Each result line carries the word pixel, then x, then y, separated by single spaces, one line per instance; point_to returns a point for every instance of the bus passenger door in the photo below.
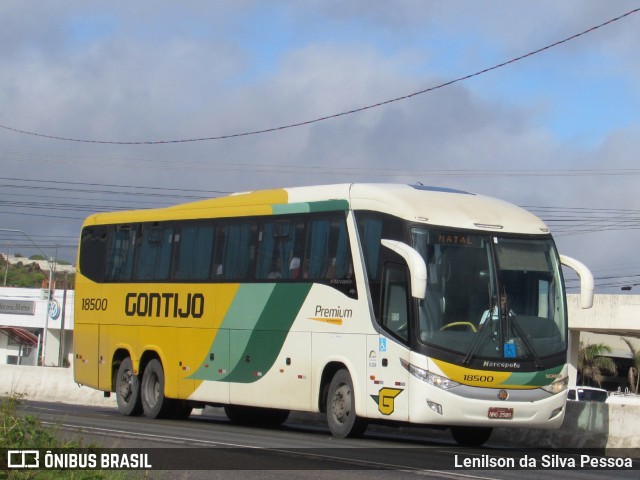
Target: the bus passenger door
pixel 387 378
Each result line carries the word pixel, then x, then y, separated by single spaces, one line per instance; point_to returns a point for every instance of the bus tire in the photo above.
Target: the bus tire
pixel 127 386
pixel 341 409
pixel 154 403
pixel 471 436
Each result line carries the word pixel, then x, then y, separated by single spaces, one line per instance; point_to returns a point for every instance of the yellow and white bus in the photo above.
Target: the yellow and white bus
pixel 367 302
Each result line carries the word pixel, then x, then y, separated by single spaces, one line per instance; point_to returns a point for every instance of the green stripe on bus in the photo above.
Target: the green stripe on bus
pixel 264 343
pixel 311 207
pixel 534 379
pixel 248 304
pixel 253 332
pixel 329 206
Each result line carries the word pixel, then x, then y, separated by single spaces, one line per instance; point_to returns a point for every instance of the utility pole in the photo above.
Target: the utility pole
pixel 6 265
pixel 62 314
pixel 52 264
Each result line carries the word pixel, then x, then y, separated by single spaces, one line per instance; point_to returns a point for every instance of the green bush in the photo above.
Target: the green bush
pixel 22 432
pixel 26 432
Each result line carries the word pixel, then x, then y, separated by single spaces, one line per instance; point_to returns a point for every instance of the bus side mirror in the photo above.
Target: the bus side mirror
pixel 586 279
pixel 415 262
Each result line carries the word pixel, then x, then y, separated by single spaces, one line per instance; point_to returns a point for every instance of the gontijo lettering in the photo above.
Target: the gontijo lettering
pixel 167 305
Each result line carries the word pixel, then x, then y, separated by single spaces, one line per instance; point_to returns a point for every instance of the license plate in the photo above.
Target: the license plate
pixel 501 413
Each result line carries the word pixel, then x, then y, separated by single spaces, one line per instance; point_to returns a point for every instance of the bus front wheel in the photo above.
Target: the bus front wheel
pixel 471 436
pixel 127 386
pixel 154 403
pixel 341 408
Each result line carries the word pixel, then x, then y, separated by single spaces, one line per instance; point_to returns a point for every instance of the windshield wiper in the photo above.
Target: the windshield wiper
pixel 479 339
pixel 528 346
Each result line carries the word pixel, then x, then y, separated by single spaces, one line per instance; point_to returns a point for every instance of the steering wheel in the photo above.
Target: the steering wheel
pixel 471 326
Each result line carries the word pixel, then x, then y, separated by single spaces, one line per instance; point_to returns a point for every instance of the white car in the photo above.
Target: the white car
pixel 587 394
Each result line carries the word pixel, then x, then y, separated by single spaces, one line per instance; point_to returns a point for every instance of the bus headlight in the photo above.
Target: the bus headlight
pixel 557 386
pixel 431 378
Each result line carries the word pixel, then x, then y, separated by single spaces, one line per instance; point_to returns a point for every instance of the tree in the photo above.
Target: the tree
pixel 634 378
pixel 26 276
pixel 592 363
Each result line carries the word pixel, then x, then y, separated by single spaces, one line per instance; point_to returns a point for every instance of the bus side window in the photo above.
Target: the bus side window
pixel 395 301
pixel 93 252
pixel 122 243
pixel 154 252
pixel 239 249
pixel 194 251
pixel 218 251
pixel 318 249
pixel 281 243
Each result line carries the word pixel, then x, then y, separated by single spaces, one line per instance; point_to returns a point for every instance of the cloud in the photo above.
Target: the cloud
pixel 154 71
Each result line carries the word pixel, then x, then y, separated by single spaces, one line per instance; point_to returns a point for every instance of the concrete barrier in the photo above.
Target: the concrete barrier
pixel 586 425
pixel 49 384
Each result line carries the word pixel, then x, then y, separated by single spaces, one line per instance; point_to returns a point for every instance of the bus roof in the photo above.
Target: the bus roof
pixel 422 204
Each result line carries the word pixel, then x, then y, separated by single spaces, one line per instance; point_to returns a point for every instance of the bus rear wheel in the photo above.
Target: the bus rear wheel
pixel 154 403
pixel 341 408
pixel 471 436
pixel 127 386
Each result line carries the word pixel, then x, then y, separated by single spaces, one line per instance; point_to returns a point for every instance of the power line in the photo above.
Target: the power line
pixel 337 115
pixel 293 169
pixel 136 187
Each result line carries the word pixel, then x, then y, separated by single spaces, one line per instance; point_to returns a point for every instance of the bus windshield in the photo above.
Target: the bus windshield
pixel 491 297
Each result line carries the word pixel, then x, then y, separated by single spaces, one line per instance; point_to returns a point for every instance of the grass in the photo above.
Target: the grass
pixel 26 432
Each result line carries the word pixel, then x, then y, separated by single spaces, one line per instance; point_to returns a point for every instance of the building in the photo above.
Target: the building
pixel 24 320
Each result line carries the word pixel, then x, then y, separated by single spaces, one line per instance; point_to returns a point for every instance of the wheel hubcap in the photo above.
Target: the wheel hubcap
pixel 153 390
pixel 341 403
pixel 126 388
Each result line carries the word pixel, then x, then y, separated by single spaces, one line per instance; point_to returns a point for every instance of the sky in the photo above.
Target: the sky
pixel 557 132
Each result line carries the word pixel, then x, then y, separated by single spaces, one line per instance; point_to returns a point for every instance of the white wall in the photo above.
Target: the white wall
pixel 35 320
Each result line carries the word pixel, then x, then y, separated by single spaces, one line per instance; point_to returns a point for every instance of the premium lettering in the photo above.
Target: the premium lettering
pixel 333 312
pixel 166 305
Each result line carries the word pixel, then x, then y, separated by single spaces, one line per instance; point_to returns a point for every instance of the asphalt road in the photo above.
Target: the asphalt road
pixel 209 446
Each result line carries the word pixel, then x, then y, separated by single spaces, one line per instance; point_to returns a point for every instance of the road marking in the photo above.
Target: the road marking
pixel 148 435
